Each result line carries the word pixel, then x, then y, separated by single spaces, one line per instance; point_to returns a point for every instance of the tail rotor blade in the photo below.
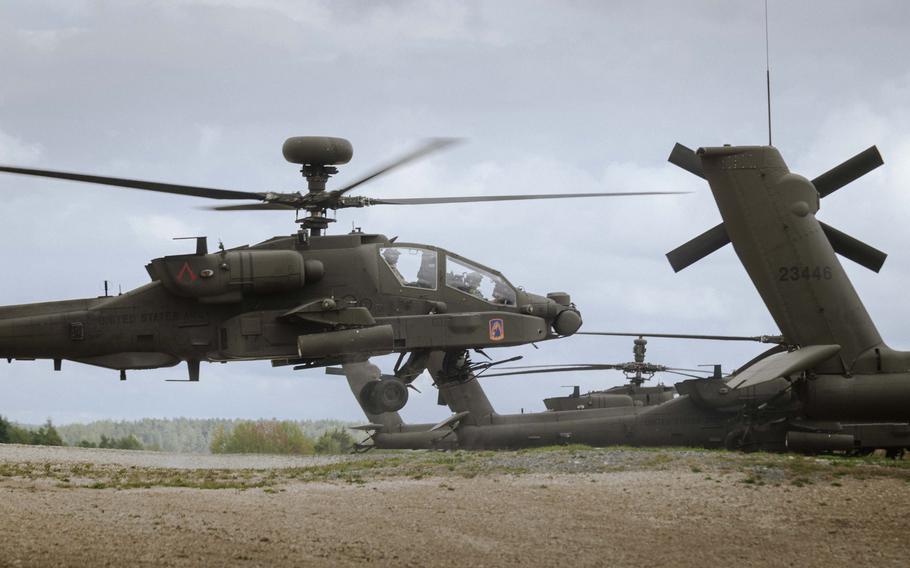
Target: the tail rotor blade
pixel 854 249
pixel 854 168
pixel 686 159
pixel 698 248
pixel 827 183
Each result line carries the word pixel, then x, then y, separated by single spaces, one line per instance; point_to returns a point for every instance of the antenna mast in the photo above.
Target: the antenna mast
pixel 768 72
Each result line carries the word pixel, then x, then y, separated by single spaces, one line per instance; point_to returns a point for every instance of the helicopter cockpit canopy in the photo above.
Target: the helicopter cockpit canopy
pixel 417 267
pixel 471 279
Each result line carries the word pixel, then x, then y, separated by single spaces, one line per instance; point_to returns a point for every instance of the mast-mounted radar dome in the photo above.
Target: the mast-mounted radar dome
pixel 317 150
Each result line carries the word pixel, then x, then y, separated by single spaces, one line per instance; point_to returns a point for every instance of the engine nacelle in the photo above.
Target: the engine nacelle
pixel 228 276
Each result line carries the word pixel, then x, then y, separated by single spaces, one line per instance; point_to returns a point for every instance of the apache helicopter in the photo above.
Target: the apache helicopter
pixel 304 300
pixel 388 430
pixel 475 424
pixel 636 372
pixel 829 384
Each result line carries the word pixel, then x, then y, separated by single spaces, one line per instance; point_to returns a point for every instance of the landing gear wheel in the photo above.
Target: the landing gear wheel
pixel 388 395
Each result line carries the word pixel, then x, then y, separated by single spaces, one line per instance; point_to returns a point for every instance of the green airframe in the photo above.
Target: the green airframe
pixel 830 385
pixel 304 300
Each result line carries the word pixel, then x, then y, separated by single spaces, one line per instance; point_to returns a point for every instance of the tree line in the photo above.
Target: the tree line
pixel 278 437
pixel 45 435
pixel 187 435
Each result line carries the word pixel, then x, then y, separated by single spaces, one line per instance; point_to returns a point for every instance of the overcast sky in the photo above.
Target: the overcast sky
pixel 551 97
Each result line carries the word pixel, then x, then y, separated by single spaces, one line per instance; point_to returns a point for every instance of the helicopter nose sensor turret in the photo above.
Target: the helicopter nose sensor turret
pixel 558 311
pixel 567 322
pixel 568 318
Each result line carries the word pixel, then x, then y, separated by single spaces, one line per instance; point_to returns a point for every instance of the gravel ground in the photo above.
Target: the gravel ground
pixel 580 507
pixel 12 453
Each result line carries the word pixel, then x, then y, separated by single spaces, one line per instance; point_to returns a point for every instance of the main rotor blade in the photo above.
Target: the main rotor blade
pixel 194 191
pixel 672 372
pixel 698 248
pixel 428 147
pixel 704 371
pixel 254 207
pixel 479 198
pixel 603 366
pixel 854 249
pixel 686 159
pixel 758 338
pixel 563 366
pixel 856 167
pixel 552 370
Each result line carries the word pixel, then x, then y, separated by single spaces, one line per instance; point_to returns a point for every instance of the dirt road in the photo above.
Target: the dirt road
pixel 558 507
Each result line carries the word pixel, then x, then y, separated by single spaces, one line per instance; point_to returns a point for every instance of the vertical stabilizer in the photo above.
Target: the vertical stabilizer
pixel 769 215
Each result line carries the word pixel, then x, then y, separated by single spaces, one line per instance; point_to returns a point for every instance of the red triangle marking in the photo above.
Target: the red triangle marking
pixel 186 270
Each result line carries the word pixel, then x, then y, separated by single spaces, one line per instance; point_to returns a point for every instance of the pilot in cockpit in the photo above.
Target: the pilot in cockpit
pixel 502 294
pixel 472 282
pixel 426 276
pixel 391 257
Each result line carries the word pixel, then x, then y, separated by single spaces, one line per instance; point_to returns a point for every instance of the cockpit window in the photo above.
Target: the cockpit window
pixel 478 282
pixel 414 267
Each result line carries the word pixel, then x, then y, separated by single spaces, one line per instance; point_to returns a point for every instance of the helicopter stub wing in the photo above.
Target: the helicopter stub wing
pixel 327 312
pixel 760 382
pixel 782 365
pixel 368 427
pixel 452 421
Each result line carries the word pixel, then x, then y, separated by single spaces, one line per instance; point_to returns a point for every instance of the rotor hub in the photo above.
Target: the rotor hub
pixel 317 176
pixel 318 155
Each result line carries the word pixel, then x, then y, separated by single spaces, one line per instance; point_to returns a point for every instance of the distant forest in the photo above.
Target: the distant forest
pixel 185 435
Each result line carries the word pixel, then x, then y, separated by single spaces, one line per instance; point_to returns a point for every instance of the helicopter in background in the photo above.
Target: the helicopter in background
pixel 304 300
pixel 637 372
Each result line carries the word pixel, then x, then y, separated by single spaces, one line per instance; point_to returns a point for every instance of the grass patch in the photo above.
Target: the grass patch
pixel 756 469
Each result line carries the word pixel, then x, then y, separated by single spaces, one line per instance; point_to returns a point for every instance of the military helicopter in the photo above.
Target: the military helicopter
pixel 637 372
pixel 388 430
pixel 829 384
pixel 475 425
pixel 304 300
pixel 631 394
